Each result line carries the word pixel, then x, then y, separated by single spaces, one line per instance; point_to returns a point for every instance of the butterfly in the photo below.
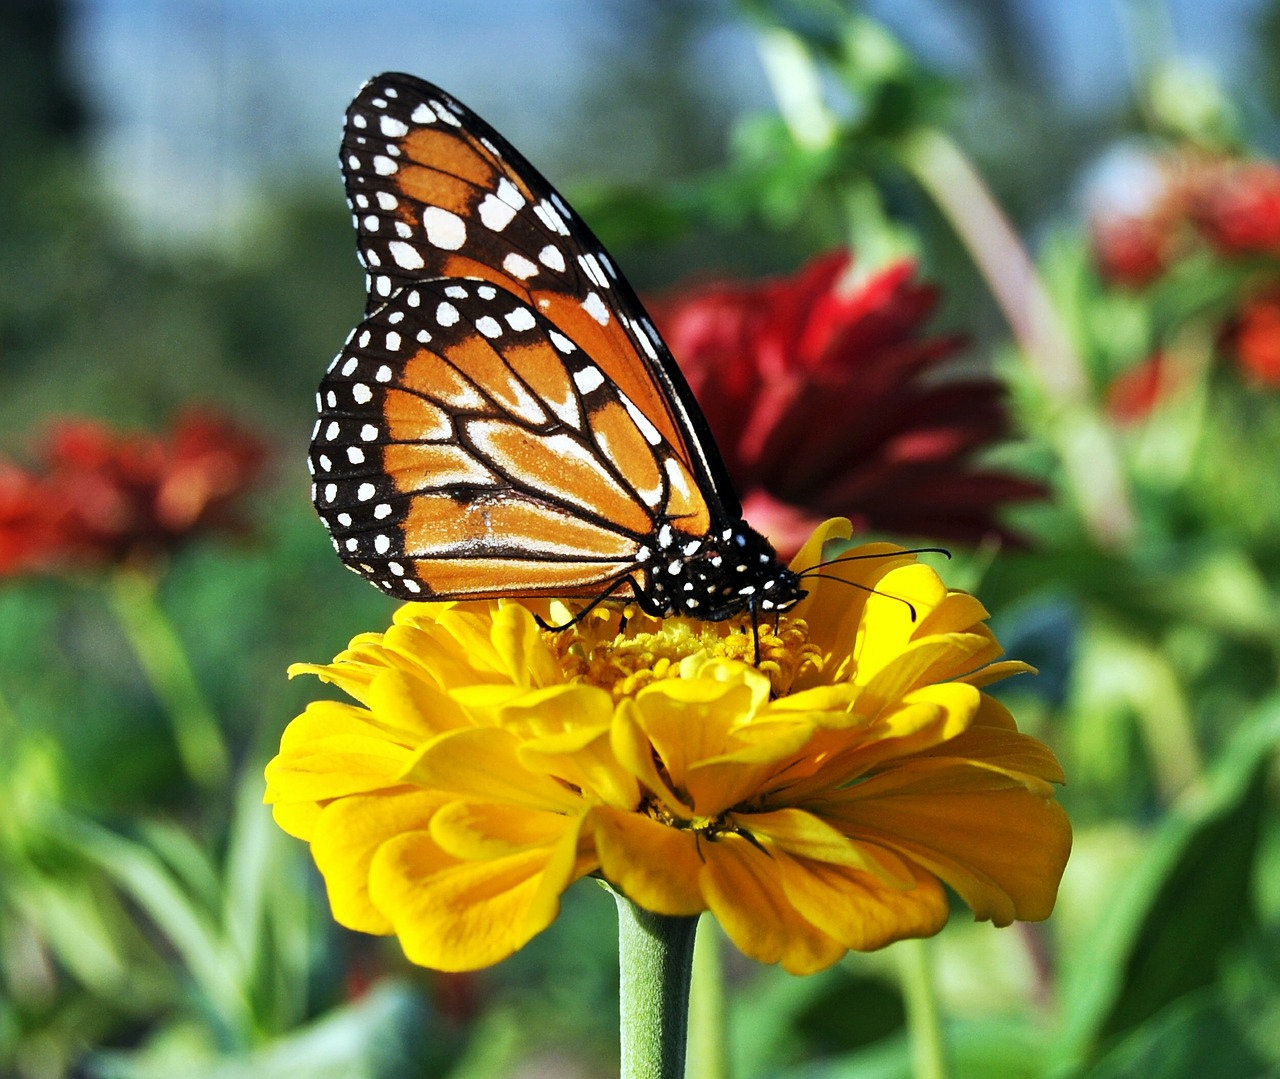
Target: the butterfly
pixel 506 421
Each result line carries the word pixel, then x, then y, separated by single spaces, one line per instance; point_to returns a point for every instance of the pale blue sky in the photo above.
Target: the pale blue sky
pixel 207 96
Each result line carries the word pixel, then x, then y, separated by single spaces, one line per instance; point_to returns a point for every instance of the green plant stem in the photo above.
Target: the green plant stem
pixel 1090 460
pixel 924 1020
pixel 655 952
pixel 164 662
pixel 708 1020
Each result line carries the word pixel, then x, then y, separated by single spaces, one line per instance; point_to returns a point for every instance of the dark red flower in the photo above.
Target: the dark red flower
pixel 824 401
pixel 1255 337
pixel 1238 209
pixel 100 497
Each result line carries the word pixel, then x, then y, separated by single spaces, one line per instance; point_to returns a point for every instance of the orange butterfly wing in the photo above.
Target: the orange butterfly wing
pixel 436 192
pixel 467 448
pixel 506 420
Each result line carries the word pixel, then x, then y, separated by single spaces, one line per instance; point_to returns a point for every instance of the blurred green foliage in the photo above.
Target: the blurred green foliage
pixel 151 928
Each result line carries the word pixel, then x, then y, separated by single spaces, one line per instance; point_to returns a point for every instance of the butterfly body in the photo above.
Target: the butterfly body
pixel 506 421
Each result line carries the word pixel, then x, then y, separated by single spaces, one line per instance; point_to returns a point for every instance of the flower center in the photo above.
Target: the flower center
pixel 624 660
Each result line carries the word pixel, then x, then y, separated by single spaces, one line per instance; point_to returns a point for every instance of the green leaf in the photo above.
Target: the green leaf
pixel 386 1033
pixel 1185 904
pixel 1193 1037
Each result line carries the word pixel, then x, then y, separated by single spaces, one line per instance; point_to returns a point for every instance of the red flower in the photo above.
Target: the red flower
pixel 28 526
pixel 1132 251
pixel 1256 338
pixel 1238 211
pixel 103 497
pixel 824 403
pixel 1134 394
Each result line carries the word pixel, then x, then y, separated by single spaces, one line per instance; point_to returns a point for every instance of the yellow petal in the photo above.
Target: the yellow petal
pixel 350 678
pixel 410 709
pixel 631 746
pixel 298 819
pixel 924 662
pixel 590 766
pixel 325 719
pixel 652 864
pixel 857 909
pixel 806 836
pixel 773 754
pixel 339 758
pixel 348 833
pixel 743 890
pixel 994 672
pixel 477 831
pixel 690 721
pixel 484 764
pixel 922 720
pixel 463 916
pixel 956 612
pixel 1001 846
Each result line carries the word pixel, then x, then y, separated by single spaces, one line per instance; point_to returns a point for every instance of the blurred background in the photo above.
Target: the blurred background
pixel 1058 333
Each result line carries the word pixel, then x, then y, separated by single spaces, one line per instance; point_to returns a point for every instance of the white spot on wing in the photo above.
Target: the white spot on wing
pixel 594 306
pixel 639 334
pixel 445 114
pixel 551 257
pixel 561 342
pixel 676 475
pixel 593 270
pixel 641 421
pixel 519 266
pixel 445 230
pixel 393 128
pixel 520 319
pixel 588 379
pixel 550 217
pixel 495 213
pixel 510 194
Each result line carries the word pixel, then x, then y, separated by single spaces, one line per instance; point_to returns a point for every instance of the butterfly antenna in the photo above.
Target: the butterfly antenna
pixel 876 554
pixel 864 587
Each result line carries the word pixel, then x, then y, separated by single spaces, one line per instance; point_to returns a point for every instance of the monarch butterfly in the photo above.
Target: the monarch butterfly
pixel 506 421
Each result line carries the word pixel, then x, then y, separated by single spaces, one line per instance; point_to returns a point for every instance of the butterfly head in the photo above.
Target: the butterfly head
pixel 715 576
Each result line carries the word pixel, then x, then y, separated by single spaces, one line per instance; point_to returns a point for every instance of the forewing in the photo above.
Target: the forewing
pixel 466 447
pixel 436 192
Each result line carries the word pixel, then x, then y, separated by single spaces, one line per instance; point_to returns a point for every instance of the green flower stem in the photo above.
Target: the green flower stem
pixel 164 662
pixel 656 956
pixel 708 1023
pixel 1090 459
pixel 924 1020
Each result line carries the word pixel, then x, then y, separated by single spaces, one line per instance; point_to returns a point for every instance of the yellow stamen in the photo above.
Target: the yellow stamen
pixel 648 650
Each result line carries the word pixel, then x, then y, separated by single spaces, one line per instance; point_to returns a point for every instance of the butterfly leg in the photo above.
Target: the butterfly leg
pixel 588 608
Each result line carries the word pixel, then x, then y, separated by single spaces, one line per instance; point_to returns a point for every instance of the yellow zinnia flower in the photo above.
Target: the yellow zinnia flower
pixel 814 803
